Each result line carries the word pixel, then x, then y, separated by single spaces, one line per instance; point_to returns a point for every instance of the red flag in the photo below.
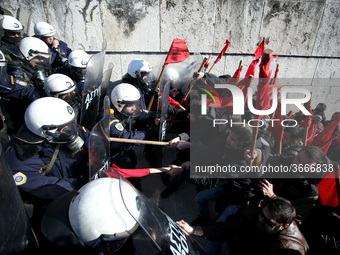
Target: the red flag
pixel 236 75
pixel 206 65
pixel 329 189
pixel 275 75
pixel 178 52
pixel 277 129
pixel 227 44
pixel 260 49
pixel 265 68
pixel 174 103
pixel 227 102
pixel 311 132
pixel 263 101
pixel 325 138
pixel 251 68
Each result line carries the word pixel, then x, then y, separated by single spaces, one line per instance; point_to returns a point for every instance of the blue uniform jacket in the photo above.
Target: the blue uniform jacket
pixel 12 88
pixel 130 128
pixel 69 171
pixel 57 66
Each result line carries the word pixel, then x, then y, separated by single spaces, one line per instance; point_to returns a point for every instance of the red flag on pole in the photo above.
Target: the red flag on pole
pixel 227 44
pixel 329 189
pixel 260 49
pixel 178 52
pixel 325 138
pixel 227 102
pixel 236 75
pixel 251 68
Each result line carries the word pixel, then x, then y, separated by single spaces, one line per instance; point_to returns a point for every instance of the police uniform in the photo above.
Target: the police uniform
pixel 57 64
pixel 29 163
pixel 16 94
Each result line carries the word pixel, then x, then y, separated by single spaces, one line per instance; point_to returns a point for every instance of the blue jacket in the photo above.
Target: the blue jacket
pixel 69 171
pixel 130 128
pixel 12 88
pixel 56 65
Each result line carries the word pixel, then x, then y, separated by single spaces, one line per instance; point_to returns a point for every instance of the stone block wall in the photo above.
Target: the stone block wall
pixel 303 33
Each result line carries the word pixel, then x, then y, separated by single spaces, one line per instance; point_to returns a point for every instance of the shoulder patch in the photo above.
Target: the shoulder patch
pixel 21 83
pixel 20 178
pixel 119 126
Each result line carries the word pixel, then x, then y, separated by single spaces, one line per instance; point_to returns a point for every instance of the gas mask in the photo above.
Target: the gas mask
pixel 64 134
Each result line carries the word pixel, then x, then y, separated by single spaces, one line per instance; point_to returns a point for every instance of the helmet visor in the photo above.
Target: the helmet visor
pixel 40 58
pixel 3 72
pixel 131 108
pixel 72 98
pixel 65 133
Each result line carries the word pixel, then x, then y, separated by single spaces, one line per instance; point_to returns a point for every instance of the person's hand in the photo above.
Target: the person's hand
pixel 55 43
pixel 250 158
pixel 198 75
pixel 173 143
pixel 157 120
pixel 187 229
pixel 266 188
pixel 175 170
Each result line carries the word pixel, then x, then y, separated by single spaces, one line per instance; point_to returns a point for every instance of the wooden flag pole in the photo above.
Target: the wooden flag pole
pixel 157 86
pixel 193 80
pixel 124 140
pixel 305 134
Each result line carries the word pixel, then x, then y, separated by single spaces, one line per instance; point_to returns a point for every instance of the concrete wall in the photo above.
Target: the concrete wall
pixel 304 33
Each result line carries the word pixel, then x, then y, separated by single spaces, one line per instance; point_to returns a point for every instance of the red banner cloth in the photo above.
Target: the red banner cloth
pixel 329 189
pixel 178 52
pixel 260 49
pixel 227 44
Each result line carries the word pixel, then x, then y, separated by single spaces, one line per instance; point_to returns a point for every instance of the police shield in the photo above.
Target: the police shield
pixel 105 84
pixel 161 229
pixel 99 145
pixel 163 104
pixel 16 234
pixel 91 93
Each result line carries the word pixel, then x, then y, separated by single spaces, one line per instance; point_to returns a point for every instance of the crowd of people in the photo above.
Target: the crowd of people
pixel 46 146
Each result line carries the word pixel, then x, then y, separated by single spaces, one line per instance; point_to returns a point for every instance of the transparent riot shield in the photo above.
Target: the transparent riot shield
pixel 99 145
pixel 161 229
pixel 105 84
pixel 16 233
pixel 188 68
pixel 163 103
pixel 91 93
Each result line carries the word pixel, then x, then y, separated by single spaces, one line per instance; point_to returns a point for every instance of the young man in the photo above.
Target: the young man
pixel 268 229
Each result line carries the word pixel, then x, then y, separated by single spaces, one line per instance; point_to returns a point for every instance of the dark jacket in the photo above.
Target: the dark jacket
pixel 244 238
pixel 29 162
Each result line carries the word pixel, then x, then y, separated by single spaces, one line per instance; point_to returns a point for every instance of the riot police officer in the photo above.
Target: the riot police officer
pixel 61 86
pixel 59 49
pixel 12 33
pixel 49 156
pixel 137 75
pixel 77 62
pixel 28 67
pixel 129 121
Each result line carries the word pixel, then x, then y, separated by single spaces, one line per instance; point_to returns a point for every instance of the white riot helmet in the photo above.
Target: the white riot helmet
pixel 77 61
pixel 32 47
pixel 13 26
pixel 62 86
pixel 125 95
pixel 53 119
pixel 98 214
pixel 58 84
pixel 10 23
pixel 139 66
pixel 43 29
